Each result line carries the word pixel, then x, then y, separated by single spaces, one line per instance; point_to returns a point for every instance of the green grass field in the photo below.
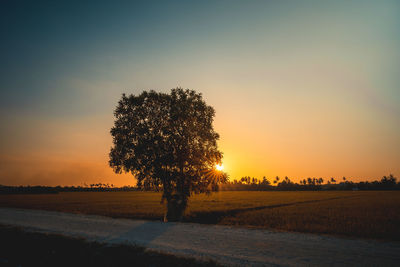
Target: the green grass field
pixel 367 214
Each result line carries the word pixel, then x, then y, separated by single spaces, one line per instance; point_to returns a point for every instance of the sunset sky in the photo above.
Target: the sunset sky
pixel 300 89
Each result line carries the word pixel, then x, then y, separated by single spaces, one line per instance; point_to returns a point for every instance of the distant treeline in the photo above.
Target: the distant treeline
pixel 56 189
pixel 248 183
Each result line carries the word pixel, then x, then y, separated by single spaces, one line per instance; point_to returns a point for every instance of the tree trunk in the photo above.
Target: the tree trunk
pixel 176 206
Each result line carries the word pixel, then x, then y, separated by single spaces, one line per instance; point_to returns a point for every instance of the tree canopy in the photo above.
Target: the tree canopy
pixel 167 141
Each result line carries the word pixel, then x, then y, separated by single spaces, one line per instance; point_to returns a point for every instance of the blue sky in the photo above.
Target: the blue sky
pixel 300 89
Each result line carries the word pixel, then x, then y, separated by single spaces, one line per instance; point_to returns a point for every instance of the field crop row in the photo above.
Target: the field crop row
pixel 373 214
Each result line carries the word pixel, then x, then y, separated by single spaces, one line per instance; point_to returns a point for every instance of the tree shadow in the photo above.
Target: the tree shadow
pixel 143 234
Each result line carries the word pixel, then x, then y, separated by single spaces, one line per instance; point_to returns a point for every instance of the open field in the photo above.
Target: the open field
pixel 372 214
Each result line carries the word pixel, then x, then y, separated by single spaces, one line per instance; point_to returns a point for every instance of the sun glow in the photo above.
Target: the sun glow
pixel 219 167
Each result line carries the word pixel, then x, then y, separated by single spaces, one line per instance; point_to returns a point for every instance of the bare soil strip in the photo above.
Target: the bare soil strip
pixel 227 245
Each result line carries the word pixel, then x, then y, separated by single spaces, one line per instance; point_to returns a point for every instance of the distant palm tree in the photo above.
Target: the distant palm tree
pixel 265 181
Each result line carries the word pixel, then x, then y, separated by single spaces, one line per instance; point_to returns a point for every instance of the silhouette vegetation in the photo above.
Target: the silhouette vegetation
pixel 245 183
pixel 38 189
pixel 248 183
pixel 167 141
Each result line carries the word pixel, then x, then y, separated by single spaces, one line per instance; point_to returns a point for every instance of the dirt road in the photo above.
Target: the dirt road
pixel 227 245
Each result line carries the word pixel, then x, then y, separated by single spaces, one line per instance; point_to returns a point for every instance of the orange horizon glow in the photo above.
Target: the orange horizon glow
pixel 299 90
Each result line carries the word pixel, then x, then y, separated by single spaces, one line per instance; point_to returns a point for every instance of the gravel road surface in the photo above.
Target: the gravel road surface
pixel 224 244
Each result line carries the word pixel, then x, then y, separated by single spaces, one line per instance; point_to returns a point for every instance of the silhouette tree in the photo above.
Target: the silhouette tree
pixel 265 181
pixel 388 182
pixel 168 143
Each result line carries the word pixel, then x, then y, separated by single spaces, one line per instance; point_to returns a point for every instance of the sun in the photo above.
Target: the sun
pixel 219 167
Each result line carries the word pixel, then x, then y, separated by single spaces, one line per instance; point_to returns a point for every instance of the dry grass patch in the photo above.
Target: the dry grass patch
pixel 366 214
pixel 371 214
